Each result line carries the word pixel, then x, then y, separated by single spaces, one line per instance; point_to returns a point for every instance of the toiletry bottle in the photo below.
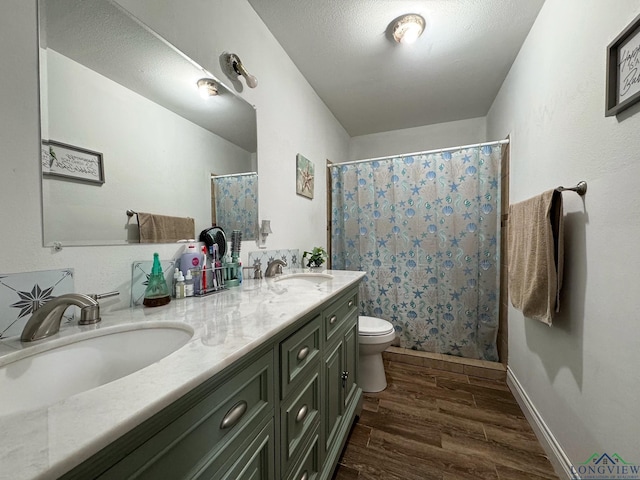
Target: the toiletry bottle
pixel 188 284
pixel 190 259
pixel 157 292
pixel 239 272
pixel 180 286
pixel 175 281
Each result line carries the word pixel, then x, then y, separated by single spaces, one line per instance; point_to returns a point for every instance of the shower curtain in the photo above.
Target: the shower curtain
pixel 236 203
pixel 425 229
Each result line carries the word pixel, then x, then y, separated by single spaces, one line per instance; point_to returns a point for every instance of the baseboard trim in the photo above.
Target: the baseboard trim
pixel 555 452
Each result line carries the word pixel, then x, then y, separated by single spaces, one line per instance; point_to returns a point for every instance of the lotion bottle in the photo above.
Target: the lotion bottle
pixel 188 284
pixel 180 286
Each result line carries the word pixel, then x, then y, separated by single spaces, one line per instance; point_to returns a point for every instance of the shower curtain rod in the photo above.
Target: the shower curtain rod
pixel 234 175
pixel 439 150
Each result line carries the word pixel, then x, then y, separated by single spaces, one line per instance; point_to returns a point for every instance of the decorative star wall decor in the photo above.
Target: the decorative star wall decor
pixel 304 176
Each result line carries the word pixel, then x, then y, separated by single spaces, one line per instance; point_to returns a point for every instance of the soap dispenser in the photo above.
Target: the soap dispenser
pixel 157 293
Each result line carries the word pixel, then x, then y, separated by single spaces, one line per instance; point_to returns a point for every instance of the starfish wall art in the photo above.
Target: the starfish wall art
pixel 304 176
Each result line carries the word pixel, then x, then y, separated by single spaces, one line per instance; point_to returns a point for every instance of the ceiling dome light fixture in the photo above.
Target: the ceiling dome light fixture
pixel 207 88
pixel 408 28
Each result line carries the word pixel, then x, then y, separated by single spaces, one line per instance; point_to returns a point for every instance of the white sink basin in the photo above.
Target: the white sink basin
pixel 312 277
pixel 56 369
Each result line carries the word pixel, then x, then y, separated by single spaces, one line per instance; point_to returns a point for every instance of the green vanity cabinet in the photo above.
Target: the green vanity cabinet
pixel 325 348
pixel 200 443
pixel 299 392
pixel 281 412
pixel 340 373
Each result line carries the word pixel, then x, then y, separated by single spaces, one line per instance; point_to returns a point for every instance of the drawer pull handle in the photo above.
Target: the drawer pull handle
pixel 305 476
pixel 302 354
pixel 234 415
pixel 332 320
pixel 350 303
pixel 302 413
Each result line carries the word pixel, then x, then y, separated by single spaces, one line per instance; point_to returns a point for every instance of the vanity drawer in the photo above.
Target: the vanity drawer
pixel 299 418
pixel 196 438
pixel 335 316
pixel 308 467
pixel 298 354
pixel 253 460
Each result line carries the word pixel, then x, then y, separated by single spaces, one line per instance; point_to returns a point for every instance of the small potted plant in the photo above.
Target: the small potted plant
pixel 316 257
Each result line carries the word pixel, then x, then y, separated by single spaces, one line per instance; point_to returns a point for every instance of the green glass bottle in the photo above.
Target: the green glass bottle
pixel 157 292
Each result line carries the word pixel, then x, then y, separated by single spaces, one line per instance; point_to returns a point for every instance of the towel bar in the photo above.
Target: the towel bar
pixel 580 188
pixel 131 213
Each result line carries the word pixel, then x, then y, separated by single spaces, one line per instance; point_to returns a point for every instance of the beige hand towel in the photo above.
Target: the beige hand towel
pixel 536 255
pixel 164 229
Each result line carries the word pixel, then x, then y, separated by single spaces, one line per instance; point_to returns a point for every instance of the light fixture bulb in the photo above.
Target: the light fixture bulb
pixel 207 88
pixel 408 28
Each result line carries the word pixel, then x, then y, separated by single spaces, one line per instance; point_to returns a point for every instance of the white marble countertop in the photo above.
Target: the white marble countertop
pixel 46 442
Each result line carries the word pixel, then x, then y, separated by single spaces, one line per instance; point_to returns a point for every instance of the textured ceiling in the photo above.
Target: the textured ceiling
pixel 372 84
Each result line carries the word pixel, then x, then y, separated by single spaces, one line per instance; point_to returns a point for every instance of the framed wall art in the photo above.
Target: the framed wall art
pixel 73 163
pixel 623 70
pixel 304 176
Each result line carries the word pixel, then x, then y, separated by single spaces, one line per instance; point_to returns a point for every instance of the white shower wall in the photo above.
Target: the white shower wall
pixel 419 139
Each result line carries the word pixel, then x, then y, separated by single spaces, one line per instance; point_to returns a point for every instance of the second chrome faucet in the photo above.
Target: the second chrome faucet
pixel 274 267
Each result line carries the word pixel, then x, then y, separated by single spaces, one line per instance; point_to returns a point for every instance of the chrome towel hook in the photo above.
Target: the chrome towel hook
pixel 580 188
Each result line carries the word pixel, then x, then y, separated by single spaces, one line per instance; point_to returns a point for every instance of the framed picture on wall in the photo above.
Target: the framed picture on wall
pixel 623 70
pixel 73 163
pixel 304 176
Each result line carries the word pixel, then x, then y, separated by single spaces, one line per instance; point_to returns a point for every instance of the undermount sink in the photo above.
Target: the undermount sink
pixel 55 369
pixel 313 277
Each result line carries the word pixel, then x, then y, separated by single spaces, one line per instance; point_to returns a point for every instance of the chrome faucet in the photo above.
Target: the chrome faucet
pixel 274 268
pixel 45 321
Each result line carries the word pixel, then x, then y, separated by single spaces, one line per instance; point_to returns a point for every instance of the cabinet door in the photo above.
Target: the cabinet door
pixel 334 393
pixel 351 364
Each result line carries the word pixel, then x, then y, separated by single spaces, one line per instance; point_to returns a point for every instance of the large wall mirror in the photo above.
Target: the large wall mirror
pixel 125 128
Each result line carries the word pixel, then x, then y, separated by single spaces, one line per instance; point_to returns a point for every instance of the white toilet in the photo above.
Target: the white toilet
pixel 374 336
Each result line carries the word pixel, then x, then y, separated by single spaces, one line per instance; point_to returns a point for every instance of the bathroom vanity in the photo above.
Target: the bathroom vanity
pixel 265 389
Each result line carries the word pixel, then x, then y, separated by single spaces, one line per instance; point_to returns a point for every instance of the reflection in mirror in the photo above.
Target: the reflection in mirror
pixel 124 102
pixel 234 203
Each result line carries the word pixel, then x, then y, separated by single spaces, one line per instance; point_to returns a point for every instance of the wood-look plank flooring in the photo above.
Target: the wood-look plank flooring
pixel 436 425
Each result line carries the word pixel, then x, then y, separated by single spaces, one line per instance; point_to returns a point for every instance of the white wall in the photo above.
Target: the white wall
pixel 291 119
pixel 419 139
pixel 581 374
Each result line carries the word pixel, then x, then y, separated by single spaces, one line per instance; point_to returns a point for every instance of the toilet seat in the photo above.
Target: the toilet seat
pixel 374 327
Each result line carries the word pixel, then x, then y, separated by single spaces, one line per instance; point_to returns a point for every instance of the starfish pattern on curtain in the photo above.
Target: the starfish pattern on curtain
pixel 425 229
pixel 236 203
